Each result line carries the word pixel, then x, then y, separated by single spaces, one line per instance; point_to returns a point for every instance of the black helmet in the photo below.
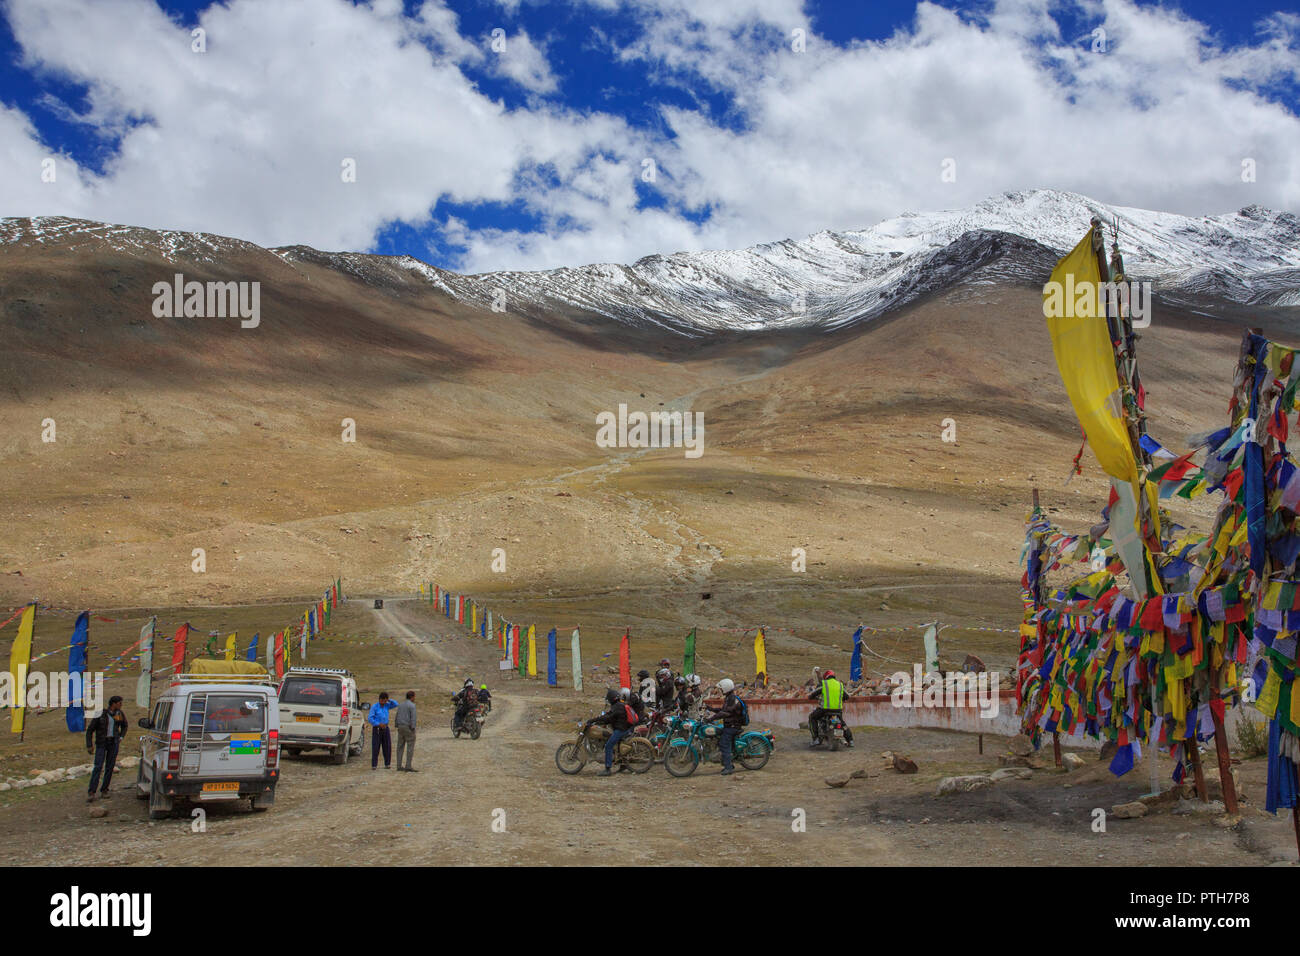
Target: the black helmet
pixel 643 674
pixel 611 695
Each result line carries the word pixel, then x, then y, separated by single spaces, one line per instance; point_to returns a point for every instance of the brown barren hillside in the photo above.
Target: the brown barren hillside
pixel 476 430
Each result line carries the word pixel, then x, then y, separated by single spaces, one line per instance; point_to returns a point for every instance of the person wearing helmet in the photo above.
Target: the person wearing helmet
pixel 484 696
pixel 616 718
pixel 664 681
pixel 830 695
pixel 694 697
pixel 465 701
pixel 647 689
pixel 679 694
pixel 634 701
pixel 732 717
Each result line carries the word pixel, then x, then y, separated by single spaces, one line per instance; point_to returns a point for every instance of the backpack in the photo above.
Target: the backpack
pixel 632 717
pixel 744 712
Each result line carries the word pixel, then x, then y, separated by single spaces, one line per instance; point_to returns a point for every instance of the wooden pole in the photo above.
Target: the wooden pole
pixel 1221 748
pixel 1198 775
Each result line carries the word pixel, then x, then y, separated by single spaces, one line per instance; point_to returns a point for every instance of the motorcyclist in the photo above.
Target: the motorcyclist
pixel 484 696
pixel 664 680
pixel 648 689
pixel 830 694
pixel 694 696
pixel 616 719
pixel 465 701
pixel 731 714
pixel 634 701
pixel 680 694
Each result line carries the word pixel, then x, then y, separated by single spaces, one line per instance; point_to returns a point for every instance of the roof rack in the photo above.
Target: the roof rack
pixel 320 670
pixel 268 679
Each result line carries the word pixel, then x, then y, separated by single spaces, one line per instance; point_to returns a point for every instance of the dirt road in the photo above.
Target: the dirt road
pixel 500 800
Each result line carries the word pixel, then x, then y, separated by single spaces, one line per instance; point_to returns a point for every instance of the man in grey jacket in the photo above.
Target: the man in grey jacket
pixel 406 731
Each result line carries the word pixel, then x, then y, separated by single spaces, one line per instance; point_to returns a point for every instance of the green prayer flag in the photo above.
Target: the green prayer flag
pixel 688 656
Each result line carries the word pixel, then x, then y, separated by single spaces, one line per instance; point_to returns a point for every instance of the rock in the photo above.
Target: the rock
pixel 1129 811
pixel 1011 773
pixel 903 764
pixel 860 774
pixel 1016 760
pixel 98 812
pixel 128 763
pixel 22 784
pixel 1021 745
pixel 1071 762
pixel 964 784
pixel 1228 821
pixel 4 787
pixel 841 780
pixel 1195 806
pixel 1163 799
pixel 1108 749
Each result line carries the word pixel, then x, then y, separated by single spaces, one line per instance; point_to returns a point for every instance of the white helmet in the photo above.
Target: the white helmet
pixel 624 692
pixel 695 680
pixel 726 685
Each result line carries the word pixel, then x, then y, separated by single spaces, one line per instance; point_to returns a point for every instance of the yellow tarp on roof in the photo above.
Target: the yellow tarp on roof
pixel 206 666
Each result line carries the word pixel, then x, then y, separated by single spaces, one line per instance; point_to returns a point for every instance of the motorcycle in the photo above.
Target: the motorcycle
pixel 657 729
pixel 633 753
pixel 471 724
pixel 683 754
pixel 829 729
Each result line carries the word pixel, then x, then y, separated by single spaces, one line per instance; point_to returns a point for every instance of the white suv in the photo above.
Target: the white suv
pixel 210 738
pixel 320 710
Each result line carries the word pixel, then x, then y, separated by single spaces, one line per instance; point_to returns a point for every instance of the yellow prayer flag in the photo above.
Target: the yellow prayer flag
pixel 20 658
pixel 760 657
pixel 230 646
pixel 532 651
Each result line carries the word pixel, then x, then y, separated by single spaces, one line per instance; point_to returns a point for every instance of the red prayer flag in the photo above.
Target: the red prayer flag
pixel 625 661
pixel 178 648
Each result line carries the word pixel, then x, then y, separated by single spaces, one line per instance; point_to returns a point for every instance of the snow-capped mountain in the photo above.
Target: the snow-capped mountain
pixel 827 280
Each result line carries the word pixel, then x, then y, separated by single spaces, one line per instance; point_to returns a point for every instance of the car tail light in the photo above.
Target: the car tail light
pixel 174 751
pixel 272 749
pixel 344 716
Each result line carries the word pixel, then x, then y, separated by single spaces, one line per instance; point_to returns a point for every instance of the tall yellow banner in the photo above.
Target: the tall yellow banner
pixel 1076 322
pixel 760 656
pixel 20 658
pixel 532 651
pixel 230 646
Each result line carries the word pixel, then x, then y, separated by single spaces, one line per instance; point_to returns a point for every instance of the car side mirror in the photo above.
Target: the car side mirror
pixel 146 723
pixel 363 705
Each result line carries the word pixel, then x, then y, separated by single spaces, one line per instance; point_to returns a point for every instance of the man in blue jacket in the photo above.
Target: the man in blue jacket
pixel 379 733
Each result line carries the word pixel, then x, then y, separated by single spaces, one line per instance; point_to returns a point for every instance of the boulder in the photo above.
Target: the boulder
pixel 1016 760
pixel 1021 745
pixel 1107 752
pixel 98 812
pixel 1071 762
pixel 963 784
pixel 841 780
pixel 904 764
pixel 1011 773
pixel 1129 811
pixel 1163 799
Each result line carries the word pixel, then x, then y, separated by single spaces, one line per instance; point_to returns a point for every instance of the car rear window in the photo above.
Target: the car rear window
pixel 322 692
pixel 235 713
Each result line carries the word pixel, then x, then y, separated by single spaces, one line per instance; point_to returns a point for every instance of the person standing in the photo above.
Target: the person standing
pixel 732 715
pixel 103 735
pixel 379 734
pixel 406 731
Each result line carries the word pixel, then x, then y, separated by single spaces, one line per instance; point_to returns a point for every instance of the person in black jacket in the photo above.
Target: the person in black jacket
pixel 731 713
pixel 616 719
pixel 103 734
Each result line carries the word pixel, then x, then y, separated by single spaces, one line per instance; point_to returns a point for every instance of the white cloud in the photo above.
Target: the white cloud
pixel 247 139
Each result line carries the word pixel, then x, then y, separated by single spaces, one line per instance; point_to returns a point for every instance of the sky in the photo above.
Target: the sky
pixel 481 135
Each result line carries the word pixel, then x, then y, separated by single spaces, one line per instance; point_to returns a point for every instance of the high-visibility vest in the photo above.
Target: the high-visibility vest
pixel 832 694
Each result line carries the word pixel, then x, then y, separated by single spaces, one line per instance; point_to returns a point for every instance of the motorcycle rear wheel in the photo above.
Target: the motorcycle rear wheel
pixel 570 758
pixel 475 729
pixel 754 754
pixel 638 754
